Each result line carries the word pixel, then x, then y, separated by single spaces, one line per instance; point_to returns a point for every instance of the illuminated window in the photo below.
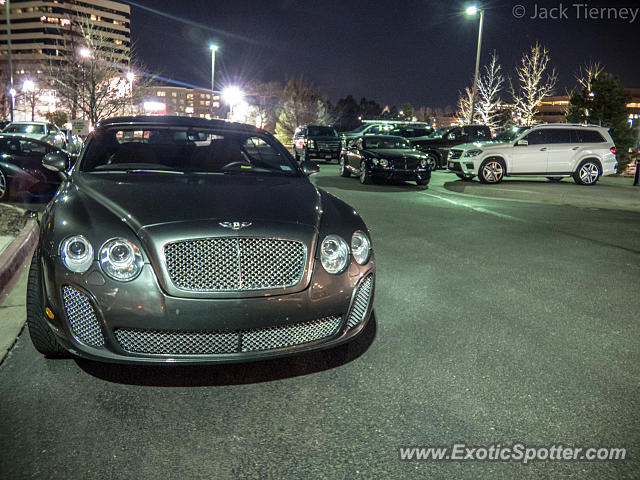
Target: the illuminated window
pixel 161 93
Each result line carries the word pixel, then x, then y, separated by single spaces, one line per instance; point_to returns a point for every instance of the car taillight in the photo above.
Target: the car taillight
pixel 613 150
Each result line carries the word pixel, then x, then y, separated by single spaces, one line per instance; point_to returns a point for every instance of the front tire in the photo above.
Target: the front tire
pixel 42 337
pixel 365 177
pixel 491 171
pixel 432 160
pixel 421 182
pixel 344 171
pixel 587 173
pixel 4 186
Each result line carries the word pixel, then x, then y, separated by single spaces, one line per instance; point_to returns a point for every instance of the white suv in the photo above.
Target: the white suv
pixel 553 150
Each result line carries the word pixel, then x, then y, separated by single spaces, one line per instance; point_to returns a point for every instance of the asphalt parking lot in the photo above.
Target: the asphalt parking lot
pixel 504 314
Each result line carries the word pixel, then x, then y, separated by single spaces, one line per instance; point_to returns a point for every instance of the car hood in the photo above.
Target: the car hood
pixel 148 199
pixel 392 153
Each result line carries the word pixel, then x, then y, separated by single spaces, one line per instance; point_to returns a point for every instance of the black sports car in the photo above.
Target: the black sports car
pixel 189 240
pixel 21 172
pixel 384 157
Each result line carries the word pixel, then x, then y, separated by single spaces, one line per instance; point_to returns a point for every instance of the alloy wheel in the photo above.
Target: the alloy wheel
pixel 492 171
pixel 433 163
pixel 3 185
pixel 589 173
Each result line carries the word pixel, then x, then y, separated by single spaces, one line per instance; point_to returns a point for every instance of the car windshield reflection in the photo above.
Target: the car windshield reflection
pixel 184 150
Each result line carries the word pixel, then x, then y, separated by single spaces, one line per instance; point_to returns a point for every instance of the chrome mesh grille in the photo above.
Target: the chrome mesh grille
pixel 208 343
pixel 81 316
pixel 360 302
pixel 177 343
pixel 235 264
pixel 289 335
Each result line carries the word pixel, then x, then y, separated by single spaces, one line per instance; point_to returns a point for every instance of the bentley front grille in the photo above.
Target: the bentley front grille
pixel 360 302
pixel 235 264
pixel 177 343
pixel 289 335
pixel 81 316
pixel 211 343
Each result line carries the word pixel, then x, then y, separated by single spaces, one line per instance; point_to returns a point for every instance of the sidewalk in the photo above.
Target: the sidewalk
pixel 18 239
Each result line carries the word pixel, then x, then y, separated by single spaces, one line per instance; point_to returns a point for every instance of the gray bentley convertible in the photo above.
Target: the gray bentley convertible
pixel 188 240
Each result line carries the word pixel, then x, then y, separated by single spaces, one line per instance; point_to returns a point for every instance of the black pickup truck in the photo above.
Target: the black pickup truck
pixel 437 146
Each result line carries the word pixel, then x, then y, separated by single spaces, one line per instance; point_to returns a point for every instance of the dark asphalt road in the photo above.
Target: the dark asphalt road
pixel 496 322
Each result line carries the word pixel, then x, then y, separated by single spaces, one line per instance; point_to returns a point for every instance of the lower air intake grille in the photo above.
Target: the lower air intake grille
pixel 208 343
pixel 360 302
pixel 289 335
pixel 82 318
pixel 177 343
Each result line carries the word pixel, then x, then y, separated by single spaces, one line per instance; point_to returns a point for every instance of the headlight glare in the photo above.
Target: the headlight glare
pixel 334 254
pixel 384 162
pixel 120 259
pixel 76 253
pixel 360 247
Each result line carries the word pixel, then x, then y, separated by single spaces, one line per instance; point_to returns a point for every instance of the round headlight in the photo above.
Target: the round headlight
pixel 384 162
pixel 360 247
pixel 334 254
pixel 120 259
pixel 423 162
pixel 76 253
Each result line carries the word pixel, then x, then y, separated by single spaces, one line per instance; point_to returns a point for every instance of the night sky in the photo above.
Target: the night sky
pixel 399 51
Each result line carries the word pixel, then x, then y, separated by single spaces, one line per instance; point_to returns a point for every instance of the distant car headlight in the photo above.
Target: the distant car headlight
pixel 384 162
pixel 311 144
pixel 76 253
pixel 423 162
pixel 360 247
pixel 334 254
pixel 472 153
pixel 120 259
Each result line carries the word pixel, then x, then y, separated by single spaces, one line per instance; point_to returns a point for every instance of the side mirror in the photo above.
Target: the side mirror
pixel 522 143
pixel 57 162
pixel 309 167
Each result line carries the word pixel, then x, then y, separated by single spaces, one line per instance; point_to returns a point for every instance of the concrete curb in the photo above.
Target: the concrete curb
pixel 14 256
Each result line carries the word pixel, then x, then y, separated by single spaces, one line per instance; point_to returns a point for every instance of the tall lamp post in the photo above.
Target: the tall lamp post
pixel 29 89
pixel 213 49
pixel 471 11
pixel 12 91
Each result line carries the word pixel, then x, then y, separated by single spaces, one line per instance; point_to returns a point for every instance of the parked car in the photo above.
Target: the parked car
pixel 179 239
pixel 316 141
pixel 21 171
pixel 45 131
pixel 384 157
pixel 555 151
pixel 73 142
pixel 437 146
pixel 385 127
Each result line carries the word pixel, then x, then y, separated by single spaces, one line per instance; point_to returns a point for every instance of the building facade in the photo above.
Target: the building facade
pixel 181 101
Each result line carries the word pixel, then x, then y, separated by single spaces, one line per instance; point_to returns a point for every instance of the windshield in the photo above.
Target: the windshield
pixel 394 143
pixel 509 135
pixel 314 131
pixel 24 128
pixel 186 150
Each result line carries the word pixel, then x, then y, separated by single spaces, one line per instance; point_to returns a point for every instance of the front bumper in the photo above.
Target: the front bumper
pixel 326 154
pixel 461 166
pixel 390 173
pixel 136 322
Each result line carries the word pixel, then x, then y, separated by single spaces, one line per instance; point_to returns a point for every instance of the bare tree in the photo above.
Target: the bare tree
pixel 92 77
pixel 587 74
pixel 464 107
pixel 533 84
pixel 490 85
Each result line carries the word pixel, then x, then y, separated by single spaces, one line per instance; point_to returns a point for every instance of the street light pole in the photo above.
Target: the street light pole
pixel 12 91
pixel 474 92
pixel 213 49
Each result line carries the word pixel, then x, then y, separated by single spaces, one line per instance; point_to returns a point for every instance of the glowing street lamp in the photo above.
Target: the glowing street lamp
pixel 471 11
pixel 232 95
pixel 85 53
pixel 213 49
